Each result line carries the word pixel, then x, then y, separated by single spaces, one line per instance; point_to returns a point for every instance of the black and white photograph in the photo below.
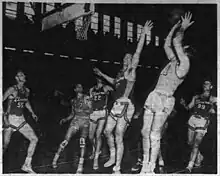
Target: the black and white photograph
pixel 109 88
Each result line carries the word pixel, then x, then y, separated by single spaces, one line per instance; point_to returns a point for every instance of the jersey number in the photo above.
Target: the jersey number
pixel 20 105
pixel 97 98
pixel 200 106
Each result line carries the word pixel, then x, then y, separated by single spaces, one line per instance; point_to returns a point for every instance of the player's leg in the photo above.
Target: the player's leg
pixel 7 132
pixel 92 130
pixel 122 124
pixel 195 150
pixel 157 126
pixel 146 130
pixel 191 138
pixel 29 133
pixel 155 137
pixel 110 125
pixel 84 127
pixel 73 128
pixel 160 156
pixel 98 136
pixel 191 131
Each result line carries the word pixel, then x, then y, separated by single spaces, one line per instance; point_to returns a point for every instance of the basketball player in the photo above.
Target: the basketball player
pixel 81 110
pixel 99 95
pixel 202 107
pixel 123 109
pixel 160 102
pixel 14 120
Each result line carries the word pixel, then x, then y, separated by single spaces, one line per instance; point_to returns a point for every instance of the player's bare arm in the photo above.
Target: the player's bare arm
pixel 88 102
pixel 213 100
pixel 106 77
pixel 90 92
pixel 9 92
pixel 28 106
pixel 168 42
pixel 136 57
pixel 190 105
pixel 108 89
pixel 71 115
pixel 184 63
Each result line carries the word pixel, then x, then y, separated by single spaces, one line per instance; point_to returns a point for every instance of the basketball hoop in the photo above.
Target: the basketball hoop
pixel 81 32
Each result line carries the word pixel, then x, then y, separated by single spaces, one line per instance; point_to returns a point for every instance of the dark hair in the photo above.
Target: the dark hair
pixel 77 84
pixel 190 50
pixel 19 71
pixel 207 79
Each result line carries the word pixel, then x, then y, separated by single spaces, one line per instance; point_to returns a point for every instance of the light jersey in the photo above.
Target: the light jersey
pixel 18 102
pixel 99 98
pixel 168 80
pixel 120 86
pixel 202 106
pixel 80 106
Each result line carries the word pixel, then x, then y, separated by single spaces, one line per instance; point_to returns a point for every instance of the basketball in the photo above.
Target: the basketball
pixel 175 15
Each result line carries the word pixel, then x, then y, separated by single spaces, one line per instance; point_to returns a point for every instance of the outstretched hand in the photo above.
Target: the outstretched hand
pixel 97 71
pixel 182 102
pixel 62 121
pixel 186 21
pixel 35 117
pixel 148 26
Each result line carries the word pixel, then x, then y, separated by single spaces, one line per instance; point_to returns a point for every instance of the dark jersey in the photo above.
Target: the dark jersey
pixel 18 102
pixel 80 106
pixel 202 106
pixel 120 86
pixel 99 99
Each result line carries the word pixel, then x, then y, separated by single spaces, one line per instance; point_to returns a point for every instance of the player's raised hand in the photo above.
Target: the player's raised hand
pixel 148 26
pixel 182 102
pixel 186 20
pixel 97 72
pixel 62 121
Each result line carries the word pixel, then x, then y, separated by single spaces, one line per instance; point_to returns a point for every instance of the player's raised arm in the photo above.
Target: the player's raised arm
pixel 184 64
pixel 135 60
pixel 106 77
pixel 168 42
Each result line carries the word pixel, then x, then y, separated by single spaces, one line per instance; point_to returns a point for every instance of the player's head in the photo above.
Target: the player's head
pixel 207 85
pixel 99 81
pixel 188 50
pixel 20 76
pixel 127 60
pixel 78 88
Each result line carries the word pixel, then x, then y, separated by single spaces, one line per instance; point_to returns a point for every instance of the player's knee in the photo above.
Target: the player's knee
pixel 82 142
pixel 91 136
pixel 145 132
pixel 190 142
pixel 119 138
pixel 196 145
pixel 98 134
pixel 147 113
pixel 64 144
pixel 155 136
pixel 107 132
pixel 34 139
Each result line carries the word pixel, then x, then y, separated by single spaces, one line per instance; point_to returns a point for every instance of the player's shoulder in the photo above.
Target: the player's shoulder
pixel 213 99
pixel 27 90
pixel 196 96
pixel 86 96
pixel 11 89
pixel 107 88
pixel 72 100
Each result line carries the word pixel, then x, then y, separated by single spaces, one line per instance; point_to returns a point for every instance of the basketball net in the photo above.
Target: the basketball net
pixel 81 32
